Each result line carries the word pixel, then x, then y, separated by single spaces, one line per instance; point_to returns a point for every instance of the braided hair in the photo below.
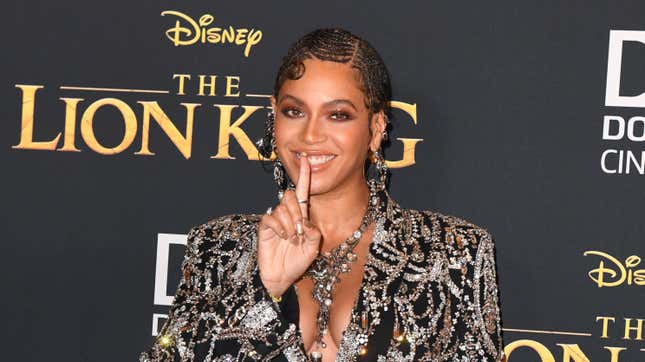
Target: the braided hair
pixel 336 45
pixel 339 45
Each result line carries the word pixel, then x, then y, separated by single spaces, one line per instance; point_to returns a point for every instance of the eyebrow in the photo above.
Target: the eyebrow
pixel 332 102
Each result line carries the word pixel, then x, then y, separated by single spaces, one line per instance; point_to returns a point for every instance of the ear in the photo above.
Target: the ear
pixel 273 103
pixel 377 126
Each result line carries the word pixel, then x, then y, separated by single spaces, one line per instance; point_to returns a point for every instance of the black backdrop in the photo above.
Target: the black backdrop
pixel 510 99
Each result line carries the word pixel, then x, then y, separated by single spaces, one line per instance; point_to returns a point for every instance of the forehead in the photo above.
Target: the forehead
pixel 323 81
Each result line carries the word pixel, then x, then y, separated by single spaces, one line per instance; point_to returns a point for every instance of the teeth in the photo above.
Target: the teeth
pixel 318 159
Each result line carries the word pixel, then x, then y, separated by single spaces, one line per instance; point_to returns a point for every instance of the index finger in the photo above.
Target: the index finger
pixel 302 188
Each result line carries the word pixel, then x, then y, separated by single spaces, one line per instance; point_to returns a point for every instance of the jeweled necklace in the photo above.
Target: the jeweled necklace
pixel 326 267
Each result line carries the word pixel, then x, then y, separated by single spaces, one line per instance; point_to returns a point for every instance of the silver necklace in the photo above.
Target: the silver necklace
pixel 326 268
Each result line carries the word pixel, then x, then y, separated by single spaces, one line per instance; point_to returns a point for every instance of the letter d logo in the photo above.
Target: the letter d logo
pixel 614 61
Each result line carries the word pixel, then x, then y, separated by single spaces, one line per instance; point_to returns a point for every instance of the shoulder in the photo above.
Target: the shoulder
pixel 447 231
pixel 222 233
pixel 220 251
pixel 231 225
pixel 457 240
pixel 464 251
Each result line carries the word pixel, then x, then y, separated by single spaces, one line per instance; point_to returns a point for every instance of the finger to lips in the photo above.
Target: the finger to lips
pixel 302 188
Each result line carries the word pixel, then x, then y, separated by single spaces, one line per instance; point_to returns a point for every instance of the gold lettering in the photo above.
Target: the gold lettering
pixel 632 262
pixel 409 144
pixel 205 20
pixel 621 274
pixel 226 130
pixel 605 325
pixel 27 123
pixel 182 78
pixel 409 108
pixel 70 124
pixel 198 31
pixel 210 85
pixel 240 38
pixel 228 35
pixel 408 159
pixel 598 275
pixel 175 34
pixel 183 143
pixel 639 277
pixel 615 352
pixel 253 39
pixel 182 140
pixel 213 35
pixel 542 351
pixel 570 351
pixel 638 329
pixel 230 85
pixel 87 127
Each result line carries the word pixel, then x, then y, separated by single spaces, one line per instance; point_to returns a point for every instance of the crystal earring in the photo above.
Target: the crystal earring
pixel 380 181
pixel 266 146
pixel 385 134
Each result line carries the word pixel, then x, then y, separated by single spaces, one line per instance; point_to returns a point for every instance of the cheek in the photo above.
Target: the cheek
pixel 282 133
pixel 354 141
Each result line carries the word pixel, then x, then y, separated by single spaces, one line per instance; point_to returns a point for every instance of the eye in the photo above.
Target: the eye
pixel 291 112
pixel 340 116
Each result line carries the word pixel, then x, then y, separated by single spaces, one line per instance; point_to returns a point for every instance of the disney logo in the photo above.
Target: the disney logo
pixel 616 272
pixel 187 31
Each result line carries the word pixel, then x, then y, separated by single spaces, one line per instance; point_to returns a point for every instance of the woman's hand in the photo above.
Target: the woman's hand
pixel 287 242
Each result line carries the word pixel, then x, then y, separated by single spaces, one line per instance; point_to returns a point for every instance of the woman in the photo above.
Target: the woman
pixel 338 270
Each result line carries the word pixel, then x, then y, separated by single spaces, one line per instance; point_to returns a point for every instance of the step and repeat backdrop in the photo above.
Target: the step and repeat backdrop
pixel 126 123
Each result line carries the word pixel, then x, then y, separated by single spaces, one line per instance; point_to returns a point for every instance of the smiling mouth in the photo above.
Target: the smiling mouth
pixel 316 160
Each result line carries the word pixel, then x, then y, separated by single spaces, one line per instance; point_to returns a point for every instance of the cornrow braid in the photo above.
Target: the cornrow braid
pixel 339 45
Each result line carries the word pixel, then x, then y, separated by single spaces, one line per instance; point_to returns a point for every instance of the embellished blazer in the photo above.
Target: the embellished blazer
pixel 429 293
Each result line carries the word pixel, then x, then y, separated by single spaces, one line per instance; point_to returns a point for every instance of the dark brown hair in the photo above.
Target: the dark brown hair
pixel 339 45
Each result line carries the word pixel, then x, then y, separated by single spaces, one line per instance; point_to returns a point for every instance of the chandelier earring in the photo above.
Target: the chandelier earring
pixel 266 144
pixel 267 147
pixel 380 181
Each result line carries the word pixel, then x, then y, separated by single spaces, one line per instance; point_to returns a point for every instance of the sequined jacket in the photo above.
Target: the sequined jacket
pixel 429 293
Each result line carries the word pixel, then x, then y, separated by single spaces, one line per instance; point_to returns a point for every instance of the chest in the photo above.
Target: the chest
pixel 344 297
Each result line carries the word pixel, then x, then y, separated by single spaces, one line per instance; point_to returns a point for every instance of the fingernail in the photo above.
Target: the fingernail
pixel 299 228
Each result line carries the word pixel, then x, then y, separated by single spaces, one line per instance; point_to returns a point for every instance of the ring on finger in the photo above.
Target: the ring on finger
pixel 269 210
pixel 303 201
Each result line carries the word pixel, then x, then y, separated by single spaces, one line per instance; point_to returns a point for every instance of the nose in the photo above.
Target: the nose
pixel 313 131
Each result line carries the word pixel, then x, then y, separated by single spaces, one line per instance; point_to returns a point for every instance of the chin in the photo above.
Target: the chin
pixel 325 185
pixel 317 188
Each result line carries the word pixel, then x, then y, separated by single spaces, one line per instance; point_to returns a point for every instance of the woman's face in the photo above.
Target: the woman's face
pixel 323 114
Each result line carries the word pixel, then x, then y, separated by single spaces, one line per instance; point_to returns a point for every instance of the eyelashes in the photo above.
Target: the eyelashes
pixel 296 113
pixel 291 112
pixel 341 116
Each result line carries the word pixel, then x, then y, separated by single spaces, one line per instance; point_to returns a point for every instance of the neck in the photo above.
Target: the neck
pixel 339 212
